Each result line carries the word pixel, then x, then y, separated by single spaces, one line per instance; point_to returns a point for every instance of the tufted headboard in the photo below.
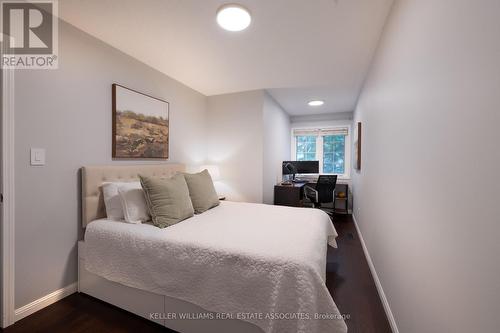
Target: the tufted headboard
pixel 93 177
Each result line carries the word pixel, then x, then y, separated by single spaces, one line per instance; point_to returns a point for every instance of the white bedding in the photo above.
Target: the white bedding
pixel 237 258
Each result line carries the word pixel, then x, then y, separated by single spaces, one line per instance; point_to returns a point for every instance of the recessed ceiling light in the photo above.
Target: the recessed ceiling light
pixel 316 103
pixel 233 17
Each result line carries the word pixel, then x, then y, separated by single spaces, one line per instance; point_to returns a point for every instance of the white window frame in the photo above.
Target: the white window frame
pixel 319 149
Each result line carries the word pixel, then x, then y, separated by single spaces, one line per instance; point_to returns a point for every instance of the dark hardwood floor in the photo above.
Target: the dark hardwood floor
pixel 348 280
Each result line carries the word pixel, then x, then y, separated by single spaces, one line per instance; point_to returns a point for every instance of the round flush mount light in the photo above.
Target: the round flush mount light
pixel 316 103
pixel 233 17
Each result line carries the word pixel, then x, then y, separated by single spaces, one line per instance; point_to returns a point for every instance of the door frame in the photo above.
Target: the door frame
pixel 7 155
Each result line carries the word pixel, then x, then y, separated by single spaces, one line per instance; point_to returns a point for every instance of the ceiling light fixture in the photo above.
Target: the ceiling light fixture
pixel 233 17
pixel 315 103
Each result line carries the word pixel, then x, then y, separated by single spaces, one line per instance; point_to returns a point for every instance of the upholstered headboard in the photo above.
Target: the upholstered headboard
pixel 93 177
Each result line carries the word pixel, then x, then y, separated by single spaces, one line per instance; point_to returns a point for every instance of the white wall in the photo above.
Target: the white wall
pixel 427 196
pixel 235 143
pixel 68 112
pixel 248 138
pixel 276 143
pixel 1 186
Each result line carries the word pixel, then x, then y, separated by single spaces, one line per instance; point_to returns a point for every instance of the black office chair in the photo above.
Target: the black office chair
pixel 324 192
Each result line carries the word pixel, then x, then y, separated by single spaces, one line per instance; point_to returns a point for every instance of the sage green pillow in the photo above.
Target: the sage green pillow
pixel 202 191
pixel 168 199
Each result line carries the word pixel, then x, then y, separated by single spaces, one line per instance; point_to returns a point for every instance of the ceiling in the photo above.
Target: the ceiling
pixel 298 50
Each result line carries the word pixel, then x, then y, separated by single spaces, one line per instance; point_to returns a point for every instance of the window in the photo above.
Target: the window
pixel 334 154
pixel 306 148
pixel 330 146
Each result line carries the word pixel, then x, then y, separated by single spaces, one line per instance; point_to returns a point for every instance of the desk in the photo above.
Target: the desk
pixel 289 195
pixel 293 195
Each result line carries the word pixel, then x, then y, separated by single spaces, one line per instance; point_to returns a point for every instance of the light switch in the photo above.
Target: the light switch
pixel 37 156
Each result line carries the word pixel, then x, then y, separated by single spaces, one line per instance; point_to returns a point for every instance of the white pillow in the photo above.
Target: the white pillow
pixel 133 201
pixel 114 210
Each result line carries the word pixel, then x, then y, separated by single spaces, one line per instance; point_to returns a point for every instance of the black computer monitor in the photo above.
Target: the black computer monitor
pixel 300 167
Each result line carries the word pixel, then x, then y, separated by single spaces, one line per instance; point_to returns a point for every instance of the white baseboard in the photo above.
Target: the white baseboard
pixel 44 301
pixel 380 290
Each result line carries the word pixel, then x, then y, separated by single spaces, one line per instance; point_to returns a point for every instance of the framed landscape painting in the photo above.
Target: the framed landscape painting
pixel 140 125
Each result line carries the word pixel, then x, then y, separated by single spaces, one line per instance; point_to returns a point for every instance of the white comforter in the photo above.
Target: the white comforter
pixel 235 258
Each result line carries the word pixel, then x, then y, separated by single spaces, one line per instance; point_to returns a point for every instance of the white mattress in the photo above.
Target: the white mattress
pixel 237 258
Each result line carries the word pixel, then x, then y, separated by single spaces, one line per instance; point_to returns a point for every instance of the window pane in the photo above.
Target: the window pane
pixel 310 157
pixel 334 154
pixel 305 148
pixel 328 163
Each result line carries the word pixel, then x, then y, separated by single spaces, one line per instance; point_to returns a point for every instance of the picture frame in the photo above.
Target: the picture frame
pixel 141 125
pixel 357 148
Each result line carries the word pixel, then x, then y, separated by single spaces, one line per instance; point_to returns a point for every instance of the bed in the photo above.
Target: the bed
pixel 239 267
